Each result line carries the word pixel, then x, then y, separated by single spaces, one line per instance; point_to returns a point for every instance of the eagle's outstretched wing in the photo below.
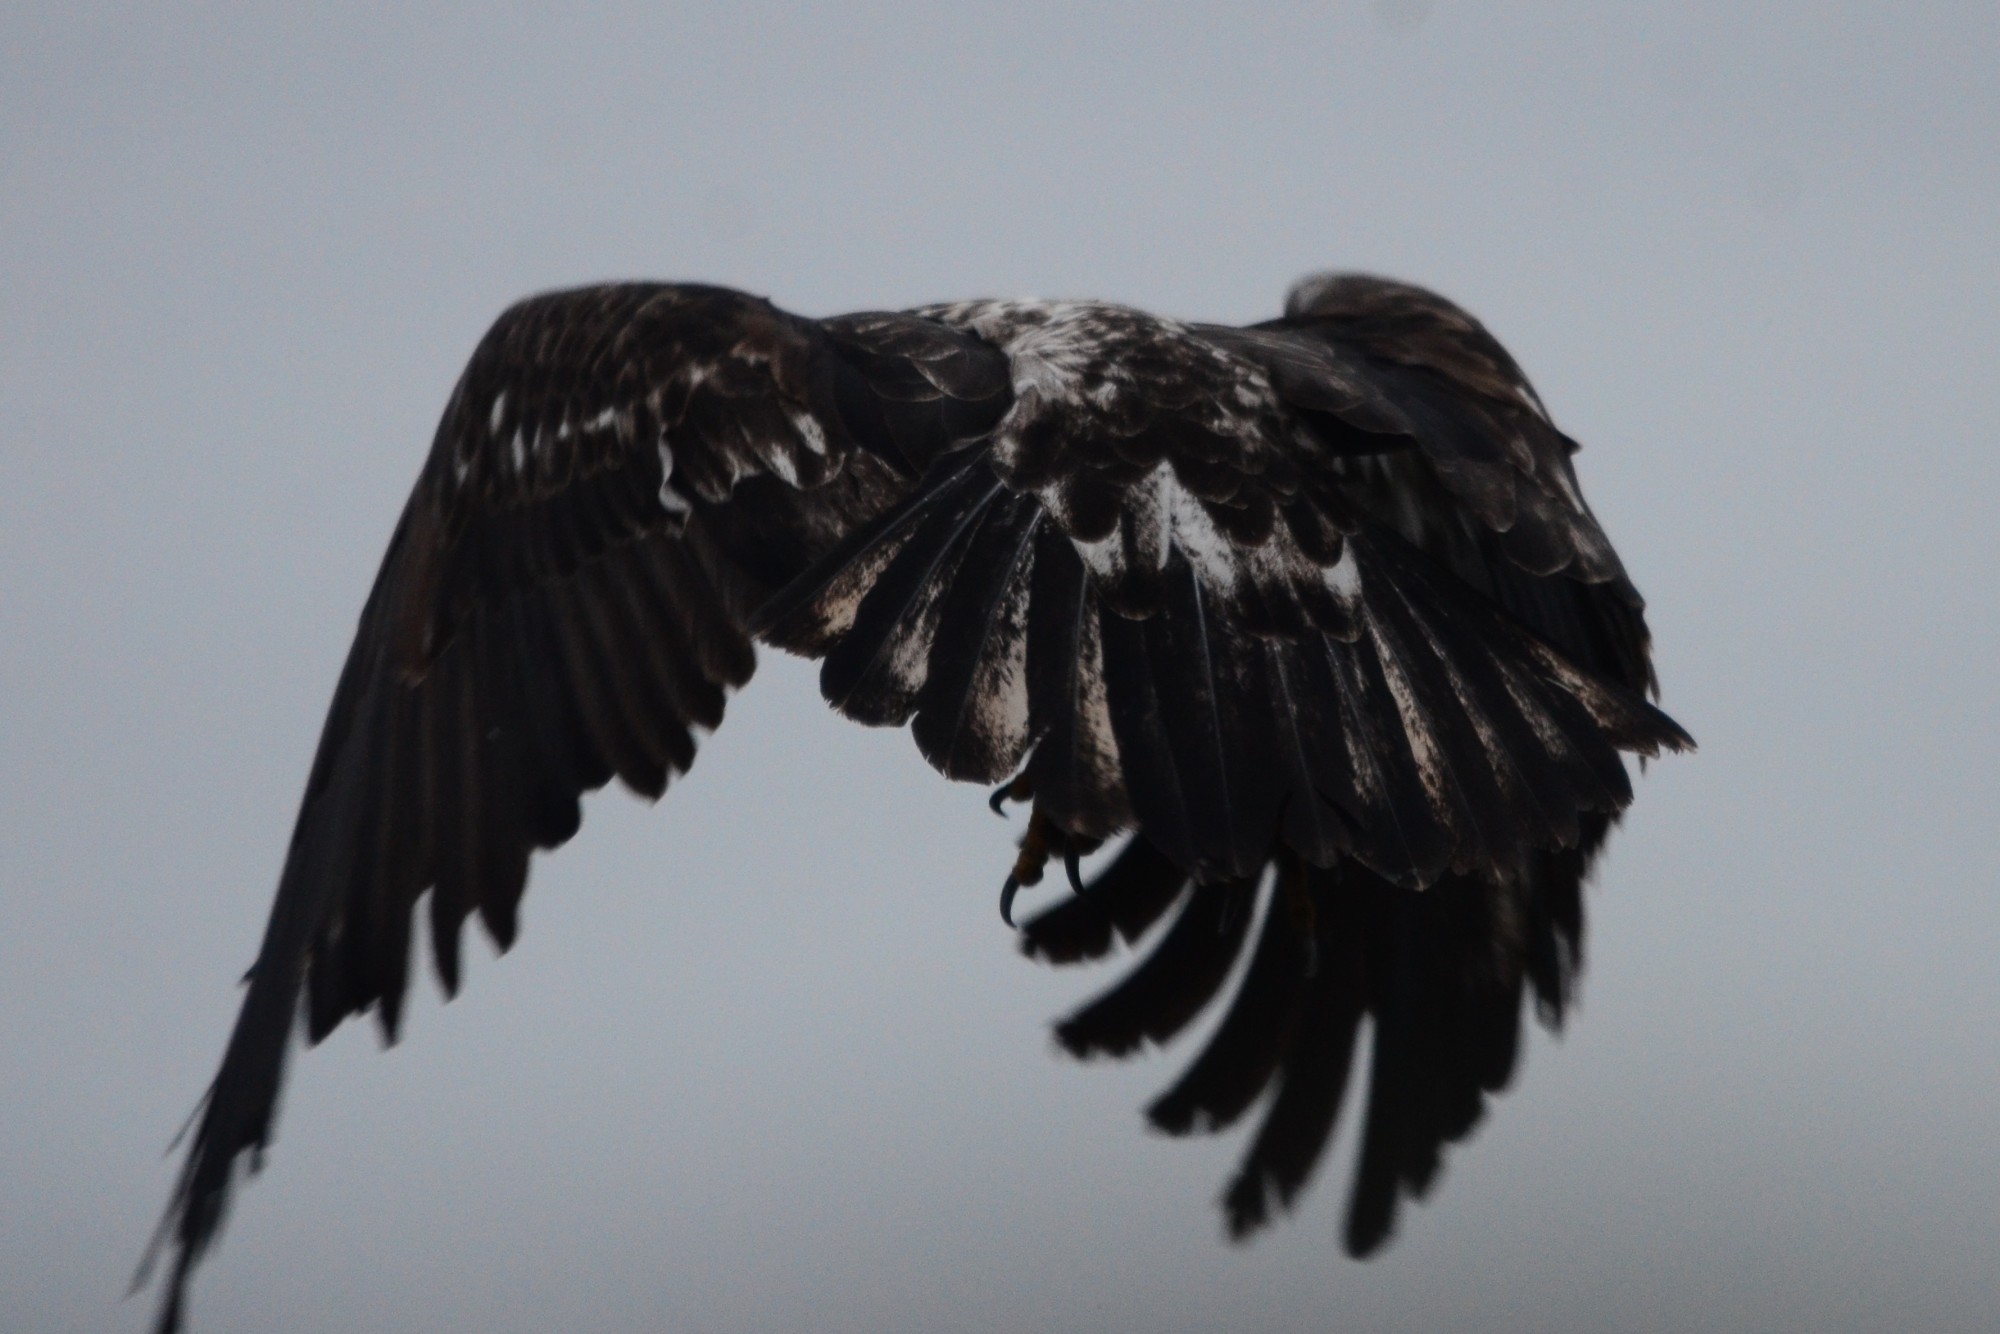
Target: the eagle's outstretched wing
pixel 621 474
pixel 1320 593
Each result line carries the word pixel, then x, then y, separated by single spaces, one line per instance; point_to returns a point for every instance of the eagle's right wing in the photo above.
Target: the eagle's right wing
pixel 622 473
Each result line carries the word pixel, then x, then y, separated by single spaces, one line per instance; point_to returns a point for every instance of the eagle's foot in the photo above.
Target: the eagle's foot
pixel 1044 838
pixel 1017 788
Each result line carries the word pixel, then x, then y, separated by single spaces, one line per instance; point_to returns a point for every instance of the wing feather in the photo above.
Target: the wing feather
pixel 1312 772
pixel 972 710
pixel 1246 1049
pixel 1076 766
pixel 1186 655
pixel 459 821
pixel 1177 979
pixel 1152 775
pixel 874 672
pixel 1311 1084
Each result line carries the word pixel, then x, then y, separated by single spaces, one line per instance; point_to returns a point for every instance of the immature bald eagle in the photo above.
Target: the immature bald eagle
pixel 1313 609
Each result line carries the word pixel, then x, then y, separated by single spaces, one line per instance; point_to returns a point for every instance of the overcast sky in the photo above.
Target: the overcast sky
pixel 764 1057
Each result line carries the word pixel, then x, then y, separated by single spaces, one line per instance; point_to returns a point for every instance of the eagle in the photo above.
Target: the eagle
pixel 1305 623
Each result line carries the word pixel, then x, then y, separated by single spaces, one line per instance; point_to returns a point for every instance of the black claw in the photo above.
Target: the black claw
pixel 1074 865
pixel 1007 893
pixel 1017 788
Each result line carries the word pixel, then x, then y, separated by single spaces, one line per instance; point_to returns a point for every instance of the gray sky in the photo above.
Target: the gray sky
pixel 1748 255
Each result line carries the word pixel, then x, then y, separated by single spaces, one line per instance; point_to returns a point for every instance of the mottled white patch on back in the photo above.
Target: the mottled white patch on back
pixel 809 429
pixel 1104 557
pixel 779 461
pixel 670 500
pixel 1343 577
pixel 1214 557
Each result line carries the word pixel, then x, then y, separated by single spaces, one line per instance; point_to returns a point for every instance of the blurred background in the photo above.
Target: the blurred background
pixel 764 1058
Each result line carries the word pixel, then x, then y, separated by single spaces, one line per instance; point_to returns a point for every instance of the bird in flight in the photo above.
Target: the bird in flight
pixel 1311 614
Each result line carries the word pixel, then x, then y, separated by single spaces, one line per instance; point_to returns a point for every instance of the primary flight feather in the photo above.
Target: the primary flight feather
pixel 1313 610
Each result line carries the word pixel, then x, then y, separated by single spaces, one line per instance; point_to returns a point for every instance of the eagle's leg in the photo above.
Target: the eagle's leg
pixel 1043 839
pixel 1033 858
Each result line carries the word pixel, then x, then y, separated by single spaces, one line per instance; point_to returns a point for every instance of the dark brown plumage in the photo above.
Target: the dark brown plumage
pixel 1312 610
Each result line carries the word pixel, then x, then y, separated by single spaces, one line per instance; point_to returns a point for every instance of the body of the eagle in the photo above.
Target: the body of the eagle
pixel 1310 613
